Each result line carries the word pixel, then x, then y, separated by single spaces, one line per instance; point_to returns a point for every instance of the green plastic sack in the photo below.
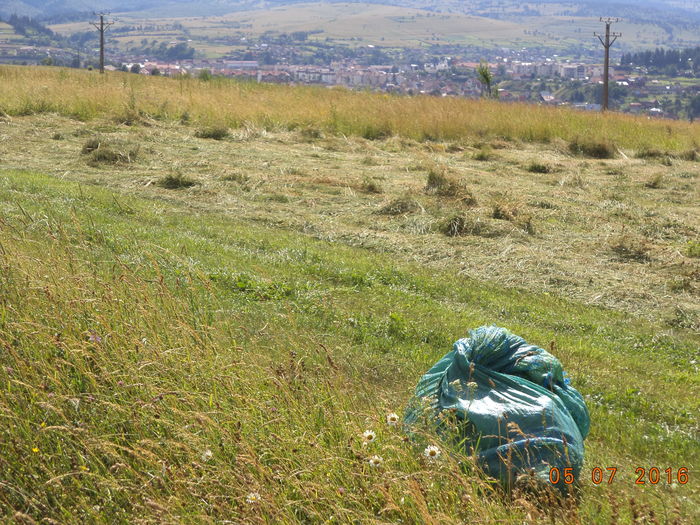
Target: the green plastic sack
pixel 513 405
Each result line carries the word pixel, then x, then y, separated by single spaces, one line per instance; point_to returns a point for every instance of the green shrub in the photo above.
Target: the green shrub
pixel 310 133
pixel 655 182
pixel 665 156
pixel 545 205
pixel 91 145
pixel 102 152
pixel 649 153
pixel 597 149
pixel 461 224
pixel 483 154
pixel 630 248
pixel 176 181
pixel 692 249
pixel 400 206
pixel 103 156
pixel 240 178
pixel 505 209
pixel 438 179
pixel 277 197
pixel 371 186
pixel 538 167
pixel 691 155
pixel 440 182
pixel 376 132
pixel 213 132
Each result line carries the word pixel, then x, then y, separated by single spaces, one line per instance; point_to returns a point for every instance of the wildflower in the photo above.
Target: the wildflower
pixel 431 452
pixel 35 450
pixel 472 386
pixel 84 468
pixel 94 338
pixel 392 419
pixel 369 436
pixel 207 455
pixel 253 498
pixel 456 385
pixel 375 461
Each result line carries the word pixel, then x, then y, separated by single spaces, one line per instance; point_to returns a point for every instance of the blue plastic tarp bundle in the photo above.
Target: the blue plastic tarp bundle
pixel 518 412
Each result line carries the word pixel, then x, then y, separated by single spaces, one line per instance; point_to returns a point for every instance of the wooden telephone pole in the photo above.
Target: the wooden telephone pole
pixel 102 27
pixel 607 43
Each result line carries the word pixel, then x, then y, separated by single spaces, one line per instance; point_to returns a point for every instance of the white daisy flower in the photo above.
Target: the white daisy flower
pixel 207 455
pixel 431 452
pixel 369 436
pixel 252 498
pixel 392 419
pixel 375 461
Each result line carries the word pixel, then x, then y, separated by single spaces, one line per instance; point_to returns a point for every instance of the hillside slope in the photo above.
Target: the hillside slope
pixel 187 323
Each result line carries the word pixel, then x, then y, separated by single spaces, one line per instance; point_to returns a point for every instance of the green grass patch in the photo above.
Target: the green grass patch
pixel 160 362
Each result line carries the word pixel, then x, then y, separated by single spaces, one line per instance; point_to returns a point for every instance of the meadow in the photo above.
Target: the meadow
pixel 126 98
pixel 204 304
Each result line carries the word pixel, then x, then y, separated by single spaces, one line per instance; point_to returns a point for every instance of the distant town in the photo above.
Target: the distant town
pixel 519 75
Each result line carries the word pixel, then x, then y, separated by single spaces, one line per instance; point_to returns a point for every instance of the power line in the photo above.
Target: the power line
pixel 607 43
pixel 102 26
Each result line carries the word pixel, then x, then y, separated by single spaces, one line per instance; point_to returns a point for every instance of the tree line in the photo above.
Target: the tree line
pixel 25 26
pixel 666 60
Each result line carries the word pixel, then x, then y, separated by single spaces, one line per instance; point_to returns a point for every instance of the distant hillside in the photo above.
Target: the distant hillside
pixel 646 24
pixel 499 8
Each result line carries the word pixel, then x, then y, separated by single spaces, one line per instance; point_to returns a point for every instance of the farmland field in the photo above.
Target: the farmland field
pixel 359 24
pixel 186 321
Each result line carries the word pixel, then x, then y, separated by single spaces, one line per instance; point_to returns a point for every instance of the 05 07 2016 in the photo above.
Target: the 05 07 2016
pixel 652 475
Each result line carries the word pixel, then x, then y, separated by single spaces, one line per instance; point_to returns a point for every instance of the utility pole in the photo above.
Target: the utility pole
pixel 102 27
pixel 607 43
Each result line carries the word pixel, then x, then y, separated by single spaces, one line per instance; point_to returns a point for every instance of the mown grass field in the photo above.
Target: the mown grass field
pixel 186 321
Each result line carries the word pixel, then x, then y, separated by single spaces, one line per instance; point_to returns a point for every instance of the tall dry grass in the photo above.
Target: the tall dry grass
pixel 126 97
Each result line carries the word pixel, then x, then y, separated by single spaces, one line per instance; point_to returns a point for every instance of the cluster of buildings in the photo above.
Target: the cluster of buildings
pixel 445 77
pixel 550 69
pixel 440 77
pixel 11 53
pixel 352 75
pixel 415 78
